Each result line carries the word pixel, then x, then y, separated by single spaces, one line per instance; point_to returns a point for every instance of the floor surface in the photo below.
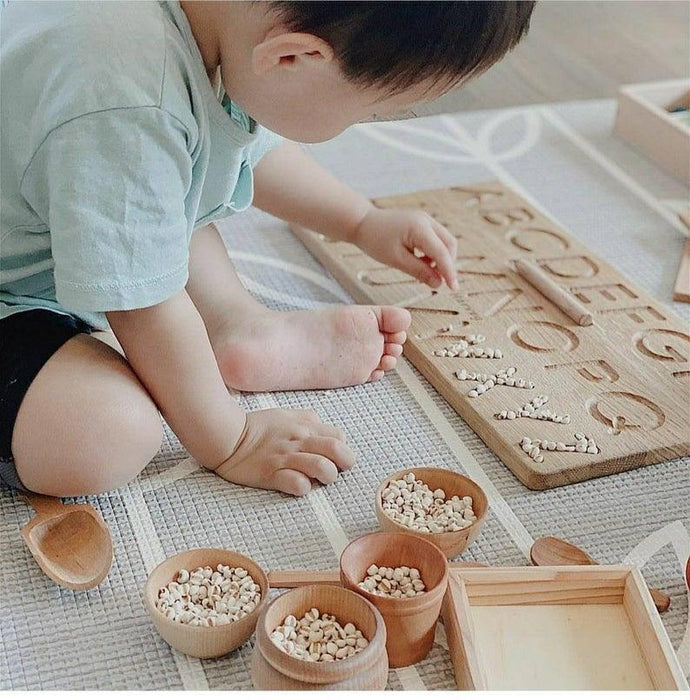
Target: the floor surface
pixel 582 49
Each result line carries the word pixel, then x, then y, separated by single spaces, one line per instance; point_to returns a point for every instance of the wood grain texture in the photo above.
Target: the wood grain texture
pixel 410 622
pixel 294 578
pixel 551 551
pixel 516 628
pixel 203 642
pixel 70 542
pixel 460 634
pixel 643 121
pixel 651 635
pixel 578 51
pixel 681 290
pixel 624 380
pixel 453 484
pixel 274 669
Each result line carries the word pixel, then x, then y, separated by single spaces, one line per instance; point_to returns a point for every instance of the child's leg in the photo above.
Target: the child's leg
pixel 262 350
pixel 86 424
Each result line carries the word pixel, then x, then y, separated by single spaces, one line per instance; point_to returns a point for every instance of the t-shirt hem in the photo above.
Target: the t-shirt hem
pixel 125 298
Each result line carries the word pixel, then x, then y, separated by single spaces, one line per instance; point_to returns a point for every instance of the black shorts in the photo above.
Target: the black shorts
pixel 28 339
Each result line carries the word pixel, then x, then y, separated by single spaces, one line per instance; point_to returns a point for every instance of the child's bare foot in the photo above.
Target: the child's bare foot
pixel 344 346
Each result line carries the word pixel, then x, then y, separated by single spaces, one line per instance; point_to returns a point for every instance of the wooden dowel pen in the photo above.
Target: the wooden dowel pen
pixel 565 301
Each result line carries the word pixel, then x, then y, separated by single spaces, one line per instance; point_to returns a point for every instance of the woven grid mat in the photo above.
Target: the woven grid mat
pixel 563 159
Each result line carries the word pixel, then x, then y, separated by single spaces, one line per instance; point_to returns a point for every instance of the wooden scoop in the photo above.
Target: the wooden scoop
pixel 71 543
pixel 550 551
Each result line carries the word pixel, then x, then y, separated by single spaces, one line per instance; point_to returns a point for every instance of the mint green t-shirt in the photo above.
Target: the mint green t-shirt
pixel 114 147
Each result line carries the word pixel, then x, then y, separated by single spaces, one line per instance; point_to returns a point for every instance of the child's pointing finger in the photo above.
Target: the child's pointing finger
pixel 429 241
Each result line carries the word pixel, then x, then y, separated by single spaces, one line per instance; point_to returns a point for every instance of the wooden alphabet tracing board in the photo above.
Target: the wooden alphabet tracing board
pixel 624 381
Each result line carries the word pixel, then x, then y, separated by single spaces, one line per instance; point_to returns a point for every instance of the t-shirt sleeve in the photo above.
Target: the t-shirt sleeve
pixel 264 142
pixel 111 187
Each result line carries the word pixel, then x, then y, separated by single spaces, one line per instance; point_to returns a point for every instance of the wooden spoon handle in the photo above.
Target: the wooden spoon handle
pixel 295 578
pixel 43 505
pixel 301 577
pixel 662 600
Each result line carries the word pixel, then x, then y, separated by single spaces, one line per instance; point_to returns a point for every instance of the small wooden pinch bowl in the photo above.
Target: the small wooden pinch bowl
pixel 410 622
pixel 454 484
pixel 274 669
pixel 203 642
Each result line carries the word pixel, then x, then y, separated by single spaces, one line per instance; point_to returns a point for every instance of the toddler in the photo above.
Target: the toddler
pixel 127 129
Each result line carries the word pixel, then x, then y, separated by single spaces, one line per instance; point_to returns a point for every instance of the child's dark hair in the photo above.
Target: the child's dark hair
pixel 397 45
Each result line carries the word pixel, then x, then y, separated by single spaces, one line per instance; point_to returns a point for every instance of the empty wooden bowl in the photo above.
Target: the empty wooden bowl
pixel 203 642
pixel 454 484
pixel 410 622
pixel 275 669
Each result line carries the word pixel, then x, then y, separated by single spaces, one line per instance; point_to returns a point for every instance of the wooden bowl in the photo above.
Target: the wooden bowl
pixel 203 642
pixel 274 669
pixel 454 484
pixel 410 622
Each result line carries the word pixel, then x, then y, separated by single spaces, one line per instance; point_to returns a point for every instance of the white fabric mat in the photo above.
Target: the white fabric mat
pixel 562 158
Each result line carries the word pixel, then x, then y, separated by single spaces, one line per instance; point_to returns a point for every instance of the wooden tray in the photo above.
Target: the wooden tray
pixel 624 381
pixel 643 120
pixel 560 628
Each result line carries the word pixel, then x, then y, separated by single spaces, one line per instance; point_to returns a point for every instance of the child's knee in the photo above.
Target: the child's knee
pixel 114 447
pixel 136 438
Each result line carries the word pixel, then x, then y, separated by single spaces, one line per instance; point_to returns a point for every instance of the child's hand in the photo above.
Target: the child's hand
pixel 392 235
pixel 285 450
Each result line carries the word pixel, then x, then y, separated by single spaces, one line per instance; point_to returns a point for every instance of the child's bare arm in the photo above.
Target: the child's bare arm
pixel 290 184
pixel 293 186
pixel 168 347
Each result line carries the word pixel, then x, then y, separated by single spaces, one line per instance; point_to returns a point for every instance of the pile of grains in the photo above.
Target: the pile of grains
pixel 468 347
pixel 401 582
pixel 318 637
pixel 534 447
pixel 206 597
pixel 410 502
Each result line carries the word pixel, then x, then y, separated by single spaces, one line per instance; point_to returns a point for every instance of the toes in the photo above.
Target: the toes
pixel 387 363
pixel 392 349
pixel 396 338
pixel 376 375
pixel 392 319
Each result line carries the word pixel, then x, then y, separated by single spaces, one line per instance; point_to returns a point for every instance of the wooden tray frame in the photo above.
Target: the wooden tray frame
pixel 548 586
pixel 643 121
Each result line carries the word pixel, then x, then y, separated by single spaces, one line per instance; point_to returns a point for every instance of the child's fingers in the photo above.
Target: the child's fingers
pixel 325 430
pixel 448 240
pixel 435 249
pixel 420 269
pixel 307 415
pixel 335 450
pixel 292 482
pixel 314 466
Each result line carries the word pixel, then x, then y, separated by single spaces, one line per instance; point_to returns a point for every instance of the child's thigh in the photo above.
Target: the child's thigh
pixel 86 424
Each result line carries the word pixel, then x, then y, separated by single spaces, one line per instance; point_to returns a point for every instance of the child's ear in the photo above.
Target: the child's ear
pixel 289 50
